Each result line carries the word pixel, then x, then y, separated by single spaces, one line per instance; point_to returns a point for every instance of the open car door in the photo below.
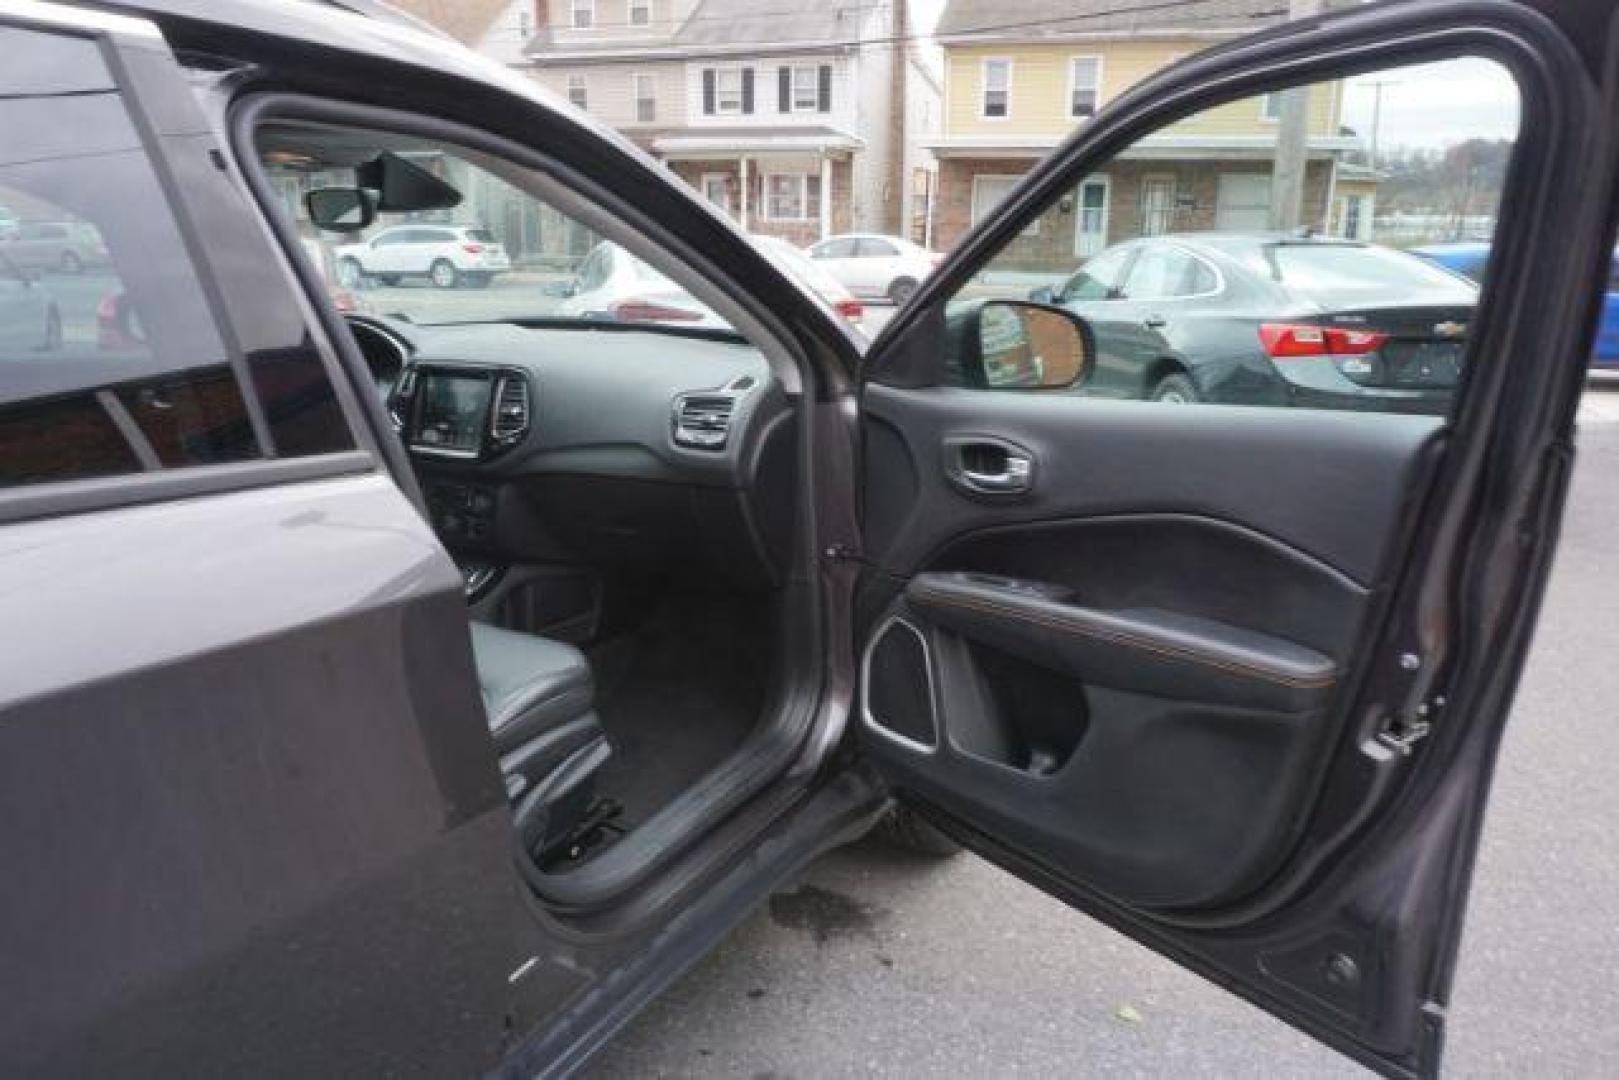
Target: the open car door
pixel 1227 666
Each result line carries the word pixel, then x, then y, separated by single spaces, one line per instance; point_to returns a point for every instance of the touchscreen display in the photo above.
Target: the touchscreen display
pixel 453 413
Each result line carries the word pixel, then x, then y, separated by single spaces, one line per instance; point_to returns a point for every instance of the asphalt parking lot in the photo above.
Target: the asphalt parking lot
pixel 874 965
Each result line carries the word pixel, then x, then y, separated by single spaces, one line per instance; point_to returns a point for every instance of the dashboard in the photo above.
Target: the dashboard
pixel 627 449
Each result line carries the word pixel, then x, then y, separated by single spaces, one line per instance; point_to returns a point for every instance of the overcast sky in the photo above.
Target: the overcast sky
pixel 1435 105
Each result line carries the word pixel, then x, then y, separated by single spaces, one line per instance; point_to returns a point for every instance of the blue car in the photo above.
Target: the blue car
pixel 1468 259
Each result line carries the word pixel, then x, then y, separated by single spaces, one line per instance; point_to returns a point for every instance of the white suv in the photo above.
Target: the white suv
pixel 448 255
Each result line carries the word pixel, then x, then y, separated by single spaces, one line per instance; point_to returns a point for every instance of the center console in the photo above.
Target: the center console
pixel 463 414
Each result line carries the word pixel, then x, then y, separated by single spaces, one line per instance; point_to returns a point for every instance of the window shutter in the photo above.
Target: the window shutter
pixel 708 91
pixel 825 89
pixel 784 89
pixel 747 90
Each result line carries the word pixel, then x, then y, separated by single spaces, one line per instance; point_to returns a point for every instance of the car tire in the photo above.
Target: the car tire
pixel 1176 389
pixel 444 274
pixel 901 289
pixel 349 273
pixel 71 263
pixel 903 828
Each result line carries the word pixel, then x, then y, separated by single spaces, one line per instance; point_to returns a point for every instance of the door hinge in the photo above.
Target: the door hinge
pixel 1402 733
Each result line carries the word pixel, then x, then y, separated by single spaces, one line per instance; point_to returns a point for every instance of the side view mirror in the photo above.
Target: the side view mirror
pixel 341 210
pixel 1019 345
pixel 1043 294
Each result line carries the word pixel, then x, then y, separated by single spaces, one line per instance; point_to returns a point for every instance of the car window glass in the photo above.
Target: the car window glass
pixel 500 252
pixel 1098 279
pixel 1159 273
pixel 877 249
pixel 111 360
pixel 1296 237
pixel 835 249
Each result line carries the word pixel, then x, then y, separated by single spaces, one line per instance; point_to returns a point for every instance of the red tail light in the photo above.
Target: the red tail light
pixel 472 249
pixel 651 311
pixel 850 309
pixel 1287 340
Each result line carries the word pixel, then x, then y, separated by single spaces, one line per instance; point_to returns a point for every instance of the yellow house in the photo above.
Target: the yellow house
pixel 1016 88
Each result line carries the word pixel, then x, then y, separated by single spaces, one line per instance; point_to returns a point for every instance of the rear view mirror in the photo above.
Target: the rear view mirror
pixel 1021 345
pixel 403 187
pixel 341 210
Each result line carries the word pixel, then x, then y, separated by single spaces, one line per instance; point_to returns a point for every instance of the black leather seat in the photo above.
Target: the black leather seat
pixel 538 695
pixel 531 685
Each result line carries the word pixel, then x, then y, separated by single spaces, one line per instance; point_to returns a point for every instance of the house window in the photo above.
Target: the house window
pixel 989 192
pixel 578 95
pixel 997 88
pixel 584 14
pixel 791 196
pixel 1270 107
pixel 646 101
pixel 1084 86
pixel 1090 216
pixel 717 190
pixel 1352 217
pixel 806 88
pixel 1157 205
pixel 525 23
pixel 640 12
pixel 728 90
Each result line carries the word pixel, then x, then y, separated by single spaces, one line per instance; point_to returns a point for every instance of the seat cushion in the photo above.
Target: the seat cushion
pixel 530 684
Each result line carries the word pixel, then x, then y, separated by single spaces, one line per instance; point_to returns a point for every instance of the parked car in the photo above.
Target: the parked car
pixel 1269 319
pixel 814 274
pixel 447 255
pixel 68 247
pixel 1470 258
pixel 611 283
pixel 420 694
pixel 877 266
pixel 29 317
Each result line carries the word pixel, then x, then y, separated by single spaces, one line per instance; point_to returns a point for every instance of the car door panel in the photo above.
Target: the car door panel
pixel 1100 644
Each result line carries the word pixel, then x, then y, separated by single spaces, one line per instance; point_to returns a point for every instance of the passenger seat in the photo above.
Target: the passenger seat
pixel 538 695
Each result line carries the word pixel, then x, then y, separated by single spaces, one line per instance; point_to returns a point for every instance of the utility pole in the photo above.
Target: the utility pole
pixel 1292 141
pixel 1377 113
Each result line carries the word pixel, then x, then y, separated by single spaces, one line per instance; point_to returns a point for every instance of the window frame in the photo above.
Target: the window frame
pixel 793 88
pixel 1032 229
pixel 637 80
pixel 586 8
pixel 720 73
pixel 1270 103
pixel 1104 181
pixel 984 89
pixel 640 13
pixel 766 211
pixel 1074 87
pixel 580 86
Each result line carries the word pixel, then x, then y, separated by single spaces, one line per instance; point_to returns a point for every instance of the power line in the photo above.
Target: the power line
pixel 969 31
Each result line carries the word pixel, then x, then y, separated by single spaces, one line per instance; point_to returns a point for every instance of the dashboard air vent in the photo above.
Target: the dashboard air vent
pixel 702 421
pixel 511 410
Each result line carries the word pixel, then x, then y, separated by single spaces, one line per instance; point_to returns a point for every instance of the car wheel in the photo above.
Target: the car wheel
pixel 71 263
pixel 1176 389
pixel 349 273
pixel 902 290
pixel 904 829
pixel 444 274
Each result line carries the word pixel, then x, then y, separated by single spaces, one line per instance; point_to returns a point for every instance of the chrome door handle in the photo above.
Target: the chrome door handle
pixel 989 466
pixel 1154 322
pixel 1014 477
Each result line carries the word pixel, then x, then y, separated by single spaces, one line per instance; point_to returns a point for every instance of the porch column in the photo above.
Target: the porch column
pixel 826 195
pixel 742 193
